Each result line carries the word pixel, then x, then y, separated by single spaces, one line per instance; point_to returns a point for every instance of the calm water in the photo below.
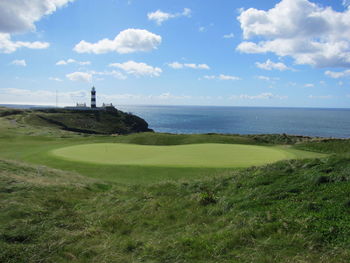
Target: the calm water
pixel 245 120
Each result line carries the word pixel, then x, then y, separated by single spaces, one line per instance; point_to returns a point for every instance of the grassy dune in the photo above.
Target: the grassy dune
pixel 291 211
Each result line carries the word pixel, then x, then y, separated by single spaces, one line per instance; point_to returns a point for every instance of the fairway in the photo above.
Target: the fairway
pixel 192 155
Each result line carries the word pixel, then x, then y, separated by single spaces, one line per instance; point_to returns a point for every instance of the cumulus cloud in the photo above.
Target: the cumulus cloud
pixel 262 96
pixel 20 15
pixel 269 65
pixel 337 75
pixel 311 34
pixel 127 41
pixel 19 62
pixel 159 17
pixel 80 76
pixel 309 85
pixel 8 46
pixel 222 77
pixel 177 65
pixel 138 68
pixel 72 61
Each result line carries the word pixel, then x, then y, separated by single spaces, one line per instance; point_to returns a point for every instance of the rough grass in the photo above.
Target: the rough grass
pixel 291 211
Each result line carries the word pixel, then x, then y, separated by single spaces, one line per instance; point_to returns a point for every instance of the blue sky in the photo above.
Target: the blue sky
pixel 293 53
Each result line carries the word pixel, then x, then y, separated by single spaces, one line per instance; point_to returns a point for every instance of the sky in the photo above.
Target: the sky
pixel 273 53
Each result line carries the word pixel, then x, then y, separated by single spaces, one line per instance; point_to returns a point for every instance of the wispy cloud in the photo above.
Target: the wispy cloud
pixel 159 16
pixel 262 96
pixel 322 97
pixel 19 62
pixel 231 35
pixel 55 79
pixel 177 65
pixel 72 61
pixel 337 74
pixel 222 77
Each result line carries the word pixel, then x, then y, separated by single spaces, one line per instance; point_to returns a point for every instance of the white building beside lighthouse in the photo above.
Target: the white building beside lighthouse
pixel 93 107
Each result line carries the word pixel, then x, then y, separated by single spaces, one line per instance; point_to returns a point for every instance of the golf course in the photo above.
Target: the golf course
pixel 193 155
pixel 71 192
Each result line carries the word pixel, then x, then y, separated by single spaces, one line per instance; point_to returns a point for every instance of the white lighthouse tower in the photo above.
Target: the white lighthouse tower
pixel 93 97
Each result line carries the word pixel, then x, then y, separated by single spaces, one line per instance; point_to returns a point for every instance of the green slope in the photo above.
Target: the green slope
pixel 292 211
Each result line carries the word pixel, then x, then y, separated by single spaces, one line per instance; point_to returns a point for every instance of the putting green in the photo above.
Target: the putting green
pixel 193 155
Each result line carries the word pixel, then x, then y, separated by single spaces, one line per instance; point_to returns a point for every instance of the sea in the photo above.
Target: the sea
pixel 318 122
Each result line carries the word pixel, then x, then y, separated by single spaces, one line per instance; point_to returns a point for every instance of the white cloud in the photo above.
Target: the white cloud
pixel 346 3
pixel 202 29
pixel 159 17
pixel 55 79
pixel 322 97
pixel 266 78
pixel 309 85
pixel 71 61
pixel 138 69
pixel 89 75
pixel 262 96
pixel 229 36
pixel 263 78
pixel 8 46
pixel 168 96
pixel 269 65
pixel 222 77
pixel 127 41
pixel 20 15
pixel 80 76
pixel 196 66
pixel 177 65
pixel 337 75
pixel 19 62
pixel 113 73
pixel 311 34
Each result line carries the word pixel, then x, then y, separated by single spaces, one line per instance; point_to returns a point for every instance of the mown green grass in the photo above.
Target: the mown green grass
pixel 190 155
pixel 36 149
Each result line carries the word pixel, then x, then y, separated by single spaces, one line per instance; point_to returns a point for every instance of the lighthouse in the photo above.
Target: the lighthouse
pixel 93 97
